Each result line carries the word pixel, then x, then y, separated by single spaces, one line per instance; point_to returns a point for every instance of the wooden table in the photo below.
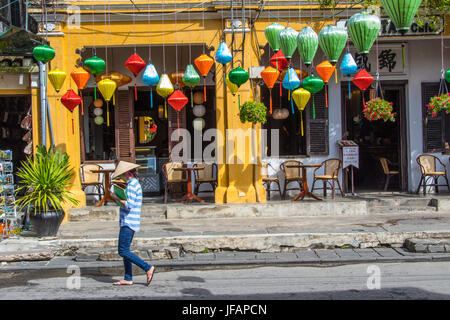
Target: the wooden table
pixel 305 191
pixel 107 197
pixel 190 195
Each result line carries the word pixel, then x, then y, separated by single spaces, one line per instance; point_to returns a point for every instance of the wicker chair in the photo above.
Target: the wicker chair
pixel 387 171
pixel 207 175
pixel 172 176
pixel 91 179
pixel 291 175
pixel 331 173
pixel 267 181
pixel 427 164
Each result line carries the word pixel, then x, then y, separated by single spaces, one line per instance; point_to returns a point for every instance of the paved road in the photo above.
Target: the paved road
pixel 414 280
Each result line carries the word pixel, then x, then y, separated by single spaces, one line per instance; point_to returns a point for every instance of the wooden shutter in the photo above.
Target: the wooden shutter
pixel 172 123
pixel 317 135
pixel 433 128
pixel 124 111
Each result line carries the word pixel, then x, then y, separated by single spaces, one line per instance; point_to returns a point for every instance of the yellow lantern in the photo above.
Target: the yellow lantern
pixel 233 87
pixel 301 98
pixel 164 89
pixel 107 88
pixel 57 78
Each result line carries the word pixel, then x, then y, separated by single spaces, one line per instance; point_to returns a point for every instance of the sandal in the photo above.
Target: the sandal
pixel 149 279
pixel 122 283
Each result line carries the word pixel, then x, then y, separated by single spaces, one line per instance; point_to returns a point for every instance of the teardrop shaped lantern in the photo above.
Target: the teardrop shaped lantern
pixel 279 61
pixel 287 39
pixel 191 78
pixel 307 44
pixel 332 41
pixel 107 88
pixel 94 65
pixel 271 32
pixel 270 76
pixel 150 77
pixel 301 98
pixel 325 70
pixel 43 53
pixel 230 85
pixel 164 89
pixel 204 64
pixel 401 12
pixel 238 76
pixel 177 101
pixel 348 67
pixel 363 80
pixel 135 64
pixel 70 100
pixel 313 84
pixel 57 78
pixel 363 29
pixel 291 82
pixel 223 54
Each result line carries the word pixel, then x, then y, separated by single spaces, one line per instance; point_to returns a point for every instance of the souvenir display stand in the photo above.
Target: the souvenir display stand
pixel 7 199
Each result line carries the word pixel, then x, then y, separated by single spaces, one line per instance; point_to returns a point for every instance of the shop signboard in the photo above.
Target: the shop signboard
pixel 350 154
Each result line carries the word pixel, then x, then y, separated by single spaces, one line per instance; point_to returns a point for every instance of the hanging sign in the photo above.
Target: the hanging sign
pixel 350 154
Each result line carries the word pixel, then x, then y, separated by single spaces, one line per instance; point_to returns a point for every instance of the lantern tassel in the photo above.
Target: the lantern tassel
pixel 114 99
pixel 95 91
pixel 364 99
pixel 239 101
pixel 178 123
pixel 335 74
pixel 314 109
pixel 326 95
pixel 301 117
pixel 270 101
pixel 349 90
pixel 107 113
pixel 192 99
pixel 292 104
pixel 403 56
pixel 204 89
pixel 81 96
pixel 73 126
pixel 165 109
pixel 135 90
pixel 280 89
pixel 151 98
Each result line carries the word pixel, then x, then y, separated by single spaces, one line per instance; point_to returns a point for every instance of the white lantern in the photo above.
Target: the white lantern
pixel 199 110
pixel 198 124
pixel 99 120
pixel 98 111
pixel 280 114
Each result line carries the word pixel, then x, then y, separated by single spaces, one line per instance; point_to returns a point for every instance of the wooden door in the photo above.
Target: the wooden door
pixel 124 131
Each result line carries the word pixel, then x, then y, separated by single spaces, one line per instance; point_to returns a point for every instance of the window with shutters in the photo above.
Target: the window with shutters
pixel 435 132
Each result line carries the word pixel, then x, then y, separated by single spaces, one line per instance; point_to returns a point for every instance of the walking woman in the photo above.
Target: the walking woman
pixel 130 216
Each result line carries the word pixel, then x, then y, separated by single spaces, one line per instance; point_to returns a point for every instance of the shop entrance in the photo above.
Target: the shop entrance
pixel 376 139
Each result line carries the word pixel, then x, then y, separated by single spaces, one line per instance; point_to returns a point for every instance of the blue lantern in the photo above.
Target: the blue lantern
pixel 150 77
pixel 223 54
pixel 348 67
pixel 291 82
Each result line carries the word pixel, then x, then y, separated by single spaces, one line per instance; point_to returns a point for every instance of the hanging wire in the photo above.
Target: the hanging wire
pixel 149 37
pixel 134 29
pixel 94 50
pixel 189 24
pixel 203 22
pixel 106 43
pixel 176 47
pixel 164 49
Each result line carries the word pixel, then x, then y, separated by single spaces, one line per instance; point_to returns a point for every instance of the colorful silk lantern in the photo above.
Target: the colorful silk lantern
pixel 325 70
pixel 95 66
pixel 199 110
pixel 401 12
pixel 150 77
pixel 363 29
pixel 270 76
pixel 107 88
pixel 191 78
pixel 198 124
pixel 204 64
pixel 280 113
pixel 43 53
pixel 301 98
pixel 291 82
pixel 313 84
pixel 177 101
pixel 271 32
pixel 98 103
pixel 98 111
pixel 307 44
pixel 287 40
pixel 238 76
pixel 99 120
pixel 348 67
pixel 57 78
pixel 135 64
pixel 302 74
pixel 70 100
pixel 332 41
pixel 223 54
pixel 164 89
pixel 279 61
pixel 363 80
pixel 119 78
pixel 447 75
pixel 177 78
pixel 80 76
pixel 230 85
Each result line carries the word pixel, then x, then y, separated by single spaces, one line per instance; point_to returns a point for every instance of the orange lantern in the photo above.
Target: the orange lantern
pixel 270 76
pixel 325 70
pixel 119 78
pixel 204 64
pixel 80 77
pixel 177 78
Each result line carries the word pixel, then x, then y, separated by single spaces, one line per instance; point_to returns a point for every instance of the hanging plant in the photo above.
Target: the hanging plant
pixel 439 103
pixel 253 111
pixel 379 109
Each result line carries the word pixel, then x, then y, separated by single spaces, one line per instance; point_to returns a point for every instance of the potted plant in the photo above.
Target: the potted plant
pixel 379 109
pixel 439 103
pixel 45 181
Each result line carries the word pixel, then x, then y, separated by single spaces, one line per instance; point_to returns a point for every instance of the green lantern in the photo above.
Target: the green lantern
pixel 238 76
pixel 288 41
pixel 191 78
pixel 363 29
pixel 447 75
pixel 271 32
pixel 95 65
pixel 307 44
pixel 43 53
pixel 332 41
pixel 313 84
pixel 401 12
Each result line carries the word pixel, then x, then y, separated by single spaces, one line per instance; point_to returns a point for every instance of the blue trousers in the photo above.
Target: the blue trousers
pixel 125 238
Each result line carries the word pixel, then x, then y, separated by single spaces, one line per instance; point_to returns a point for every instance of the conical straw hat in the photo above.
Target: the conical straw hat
pixel 123 167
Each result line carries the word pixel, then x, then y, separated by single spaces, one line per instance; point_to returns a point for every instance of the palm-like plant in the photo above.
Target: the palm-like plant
pixel 45 180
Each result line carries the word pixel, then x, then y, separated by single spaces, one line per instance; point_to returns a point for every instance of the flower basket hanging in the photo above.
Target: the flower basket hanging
pixel 379 109
pixel 439 103
pixel 253 111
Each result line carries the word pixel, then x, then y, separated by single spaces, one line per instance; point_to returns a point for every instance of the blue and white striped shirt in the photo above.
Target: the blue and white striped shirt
pixel 130 214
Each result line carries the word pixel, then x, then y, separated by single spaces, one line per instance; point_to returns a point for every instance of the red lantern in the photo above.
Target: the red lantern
pixel 70 100
pixel 363 80
pixel 204 64
pixel 280 62
pixel 135 64
pixel 178 101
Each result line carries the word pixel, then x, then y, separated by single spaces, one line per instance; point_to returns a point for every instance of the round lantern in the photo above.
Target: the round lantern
pixel 401 12
pixel 198 97
pixel 135 64
pixel 363 80
pixel 99 120
pixel 150 77
pixel 119 78
pixel 204 64
pixel 57 78
pixel 238 76
pixel 199 110
pixel 447 75
pixel 98 103
pixel 307 44
pixel 287 39
pixel 230 85
pixel 363 29
pixel 325 70
pixel 271 32
pixel 280 113
pixel 95 65
pixel 43 53
pixel 70 100
pixel 107 88
pixel 191 78
pixel 223 54
pixel 301 98
pixel 332 41
pixel 198 124
pixel 348 67
pixel 291 82
pixel 177 101
pixel 98 111
pixel 270 76
pixel 313 84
